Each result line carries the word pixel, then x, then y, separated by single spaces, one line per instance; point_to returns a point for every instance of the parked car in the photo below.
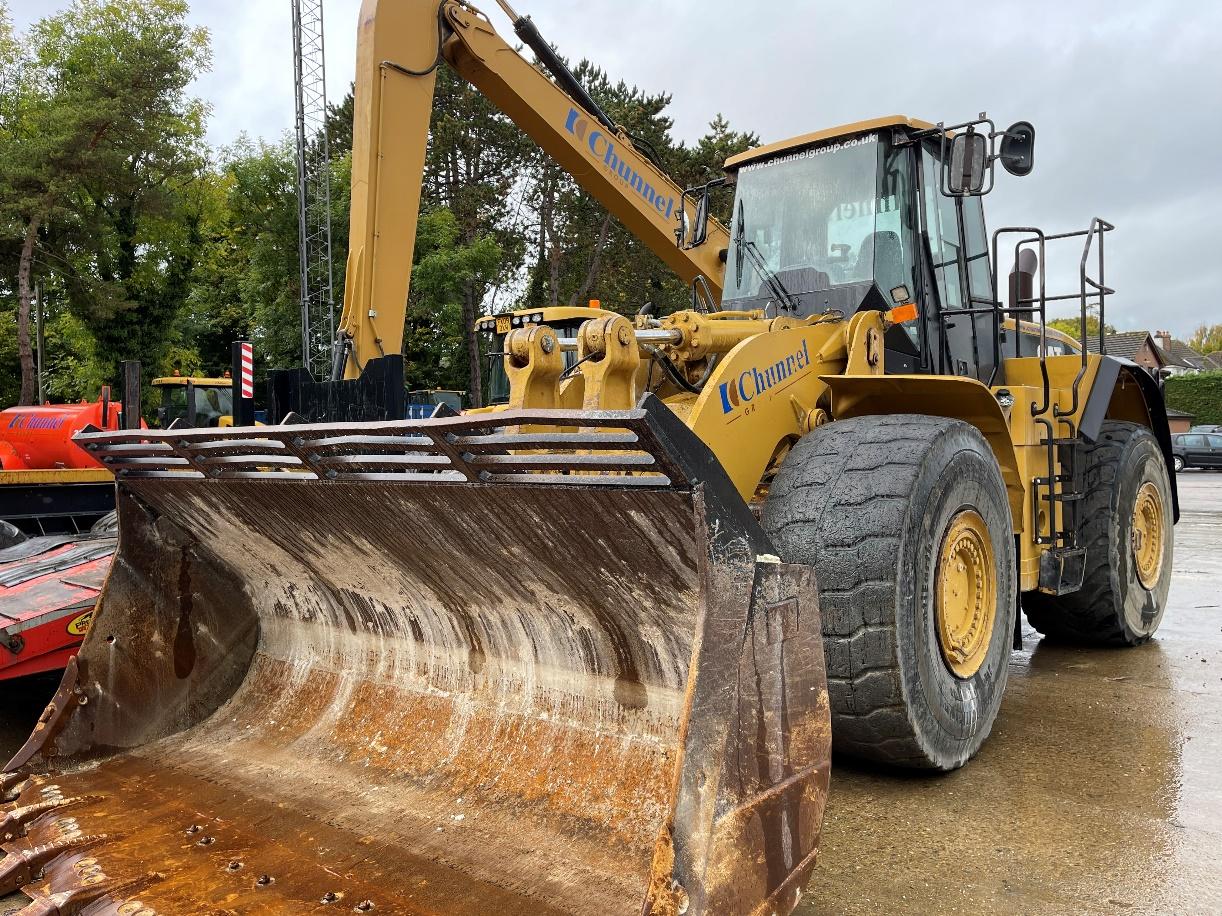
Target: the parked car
pixel 1206 428
pixel 1196 450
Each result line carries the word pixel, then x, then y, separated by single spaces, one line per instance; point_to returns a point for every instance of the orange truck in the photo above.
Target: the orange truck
pixel 40 437
pixel 49 485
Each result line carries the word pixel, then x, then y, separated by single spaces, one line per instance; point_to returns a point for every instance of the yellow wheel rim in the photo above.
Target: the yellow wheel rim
pixel 1149 534
pixel 965 593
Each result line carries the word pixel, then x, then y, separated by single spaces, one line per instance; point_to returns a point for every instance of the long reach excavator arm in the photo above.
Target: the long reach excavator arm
pixel 399 48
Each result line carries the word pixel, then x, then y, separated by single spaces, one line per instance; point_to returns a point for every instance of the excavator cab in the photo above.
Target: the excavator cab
pixel 828 227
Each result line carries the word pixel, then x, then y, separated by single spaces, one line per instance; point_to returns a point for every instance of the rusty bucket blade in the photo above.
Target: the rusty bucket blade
pixel 427 667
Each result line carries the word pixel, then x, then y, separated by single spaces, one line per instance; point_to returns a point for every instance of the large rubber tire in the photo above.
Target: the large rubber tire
pixel 866 502
pixel 1112 607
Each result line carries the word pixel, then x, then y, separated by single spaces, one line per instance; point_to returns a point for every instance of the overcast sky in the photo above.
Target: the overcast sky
pixel 1124 96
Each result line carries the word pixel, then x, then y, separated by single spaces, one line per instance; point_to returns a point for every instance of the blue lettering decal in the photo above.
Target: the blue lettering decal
pixel 742 386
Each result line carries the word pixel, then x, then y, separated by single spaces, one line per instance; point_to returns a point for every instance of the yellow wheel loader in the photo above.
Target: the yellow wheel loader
pixel 587 652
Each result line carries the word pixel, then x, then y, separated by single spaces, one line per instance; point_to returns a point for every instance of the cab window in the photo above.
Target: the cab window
pixel 941 214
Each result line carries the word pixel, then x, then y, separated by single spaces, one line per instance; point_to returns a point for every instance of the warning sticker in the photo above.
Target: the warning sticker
pixel 80 624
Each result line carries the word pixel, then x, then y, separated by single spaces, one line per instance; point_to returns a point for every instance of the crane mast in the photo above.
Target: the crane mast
pixel 313 190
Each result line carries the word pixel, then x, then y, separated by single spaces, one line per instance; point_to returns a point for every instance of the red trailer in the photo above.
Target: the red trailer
pixel 48 588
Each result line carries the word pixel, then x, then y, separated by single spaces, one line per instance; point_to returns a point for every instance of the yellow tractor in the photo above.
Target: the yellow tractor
pixel 587 652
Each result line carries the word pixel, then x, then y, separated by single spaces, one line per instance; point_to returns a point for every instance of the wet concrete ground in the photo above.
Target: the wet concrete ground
pixel 1100 790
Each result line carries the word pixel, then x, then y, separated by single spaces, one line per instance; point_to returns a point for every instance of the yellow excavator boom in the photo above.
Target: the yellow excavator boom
pixel 399 47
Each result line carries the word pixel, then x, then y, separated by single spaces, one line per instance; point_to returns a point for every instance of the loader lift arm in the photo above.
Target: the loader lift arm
pixel 399 48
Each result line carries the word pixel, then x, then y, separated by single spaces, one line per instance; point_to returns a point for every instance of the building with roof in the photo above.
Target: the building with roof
pixel 1179 421
pixel 1156 353
pixel 1139 346
pixel 1179 358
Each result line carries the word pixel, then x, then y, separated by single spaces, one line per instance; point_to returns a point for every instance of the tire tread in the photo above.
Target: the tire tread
pixel 1089 615
pixel 848 493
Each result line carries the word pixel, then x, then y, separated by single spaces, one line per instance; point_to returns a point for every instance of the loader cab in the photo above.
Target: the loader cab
pixel 566 321
pixel 861 217
pixel 194 401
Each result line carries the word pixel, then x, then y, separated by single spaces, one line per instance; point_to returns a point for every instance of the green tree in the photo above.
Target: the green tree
pixel 580 251
pixel 1073 327
pixel 1206 339
pixel 246 283
pixel 704 161
pixel 445 268
pixel 99 173
pixel 339 124
pixel 28 194
pixel 474 166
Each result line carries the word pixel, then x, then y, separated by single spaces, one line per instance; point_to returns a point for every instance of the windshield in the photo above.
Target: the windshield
pixel 833 218
pixel 211 403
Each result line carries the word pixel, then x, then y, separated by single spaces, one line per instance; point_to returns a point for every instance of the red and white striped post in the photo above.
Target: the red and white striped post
pixel 243 383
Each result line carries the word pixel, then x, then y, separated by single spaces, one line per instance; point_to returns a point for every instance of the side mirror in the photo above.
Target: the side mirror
pixel 700 231
pixel 694 230
pixel 1018 148
pixel 969 160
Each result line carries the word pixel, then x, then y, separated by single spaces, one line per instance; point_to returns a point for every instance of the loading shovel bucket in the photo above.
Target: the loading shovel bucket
pixel 515 663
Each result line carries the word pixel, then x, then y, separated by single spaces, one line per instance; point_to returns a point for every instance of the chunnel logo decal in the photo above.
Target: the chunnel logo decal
pixel 752 383
pixel 602 148
pixel 26 421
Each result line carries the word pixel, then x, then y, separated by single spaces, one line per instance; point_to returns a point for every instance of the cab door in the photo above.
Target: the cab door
pixel 959 263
